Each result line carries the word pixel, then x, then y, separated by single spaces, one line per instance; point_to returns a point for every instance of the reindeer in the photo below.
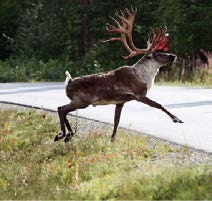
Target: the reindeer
pixel 123 84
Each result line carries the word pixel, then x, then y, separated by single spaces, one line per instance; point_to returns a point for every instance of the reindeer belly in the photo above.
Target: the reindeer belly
pixel 116 99
pixel 106 102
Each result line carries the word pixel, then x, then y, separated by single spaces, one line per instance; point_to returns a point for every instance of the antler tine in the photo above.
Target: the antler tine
pixel 115 21
pixel 109 27
pixel 127 11
pixel 112 29
pixel 162 30
pixel 153 35
pixel 149 40
pixel 111 39
pixel 165 29
pixel 157 36
pixel 117 13
pixel 123 40
pixel 122 13
pixel 133 10
pixel 121 17
pixel 162 34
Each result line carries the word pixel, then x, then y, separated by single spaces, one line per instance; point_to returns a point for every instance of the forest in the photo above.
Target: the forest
pixel 40 39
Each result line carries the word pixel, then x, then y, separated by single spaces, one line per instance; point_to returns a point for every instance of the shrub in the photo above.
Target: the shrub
pixel 33 70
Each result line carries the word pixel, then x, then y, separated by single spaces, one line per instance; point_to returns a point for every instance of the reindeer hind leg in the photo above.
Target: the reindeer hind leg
pixel 70 132
pixel 62 112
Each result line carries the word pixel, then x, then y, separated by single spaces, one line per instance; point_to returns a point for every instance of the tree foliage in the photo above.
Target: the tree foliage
pixel 70 30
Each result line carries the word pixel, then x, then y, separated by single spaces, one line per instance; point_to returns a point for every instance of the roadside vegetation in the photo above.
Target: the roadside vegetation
pixel 54 70
pixel 32 166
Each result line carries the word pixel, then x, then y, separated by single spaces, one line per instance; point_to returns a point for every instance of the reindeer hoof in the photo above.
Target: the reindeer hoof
pixel 68 137
pixel 59 137
pixel 113 139
pixel 176 120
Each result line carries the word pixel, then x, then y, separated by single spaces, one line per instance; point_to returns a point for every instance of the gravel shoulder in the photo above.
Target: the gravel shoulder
pixel 181 155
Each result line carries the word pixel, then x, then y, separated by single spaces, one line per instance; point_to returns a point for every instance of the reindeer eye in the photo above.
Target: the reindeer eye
pixel 156 54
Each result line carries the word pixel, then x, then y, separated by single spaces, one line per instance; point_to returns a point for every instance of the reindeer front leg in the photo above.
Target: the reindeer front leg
pixel 116 120
pixel 154 104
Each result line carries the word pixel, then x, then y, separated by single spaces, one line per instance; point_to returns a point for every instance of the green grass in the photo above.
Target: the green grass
pixel 32 166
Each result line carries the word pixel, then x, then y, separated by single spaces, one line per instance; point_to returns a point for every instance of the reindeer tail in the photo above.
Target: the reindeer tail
pixel 68 78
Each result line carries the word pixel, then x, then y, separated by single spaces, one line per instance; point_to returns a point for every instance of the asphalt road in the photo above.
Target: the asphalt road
pixel 191 105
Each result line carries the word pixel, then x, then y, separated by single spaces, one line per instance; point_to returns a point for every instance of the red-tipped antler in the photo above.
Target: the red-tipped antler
pixel 159 40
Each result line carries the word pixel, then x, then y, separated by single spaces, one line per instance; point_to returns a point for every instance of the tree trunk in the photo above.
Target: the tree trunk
pixel 84 32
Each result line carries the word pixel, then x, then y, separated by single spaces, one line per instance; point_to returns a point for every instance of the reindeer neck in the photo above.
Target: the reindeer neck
pixel 145 63
pixel 146 69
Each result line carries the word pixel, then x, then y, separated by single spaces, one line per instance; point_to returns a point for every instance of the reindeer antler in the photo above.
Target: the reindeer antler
pixel 125 29
pixel 158 39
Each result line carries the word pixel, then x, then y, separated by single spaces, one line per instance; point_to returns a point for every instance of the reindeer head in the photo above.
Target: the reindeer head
pixel 157 43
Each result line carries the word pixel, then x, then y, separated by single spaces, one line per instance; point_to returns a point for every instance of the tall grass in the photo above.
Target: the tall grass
pixel 32 166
